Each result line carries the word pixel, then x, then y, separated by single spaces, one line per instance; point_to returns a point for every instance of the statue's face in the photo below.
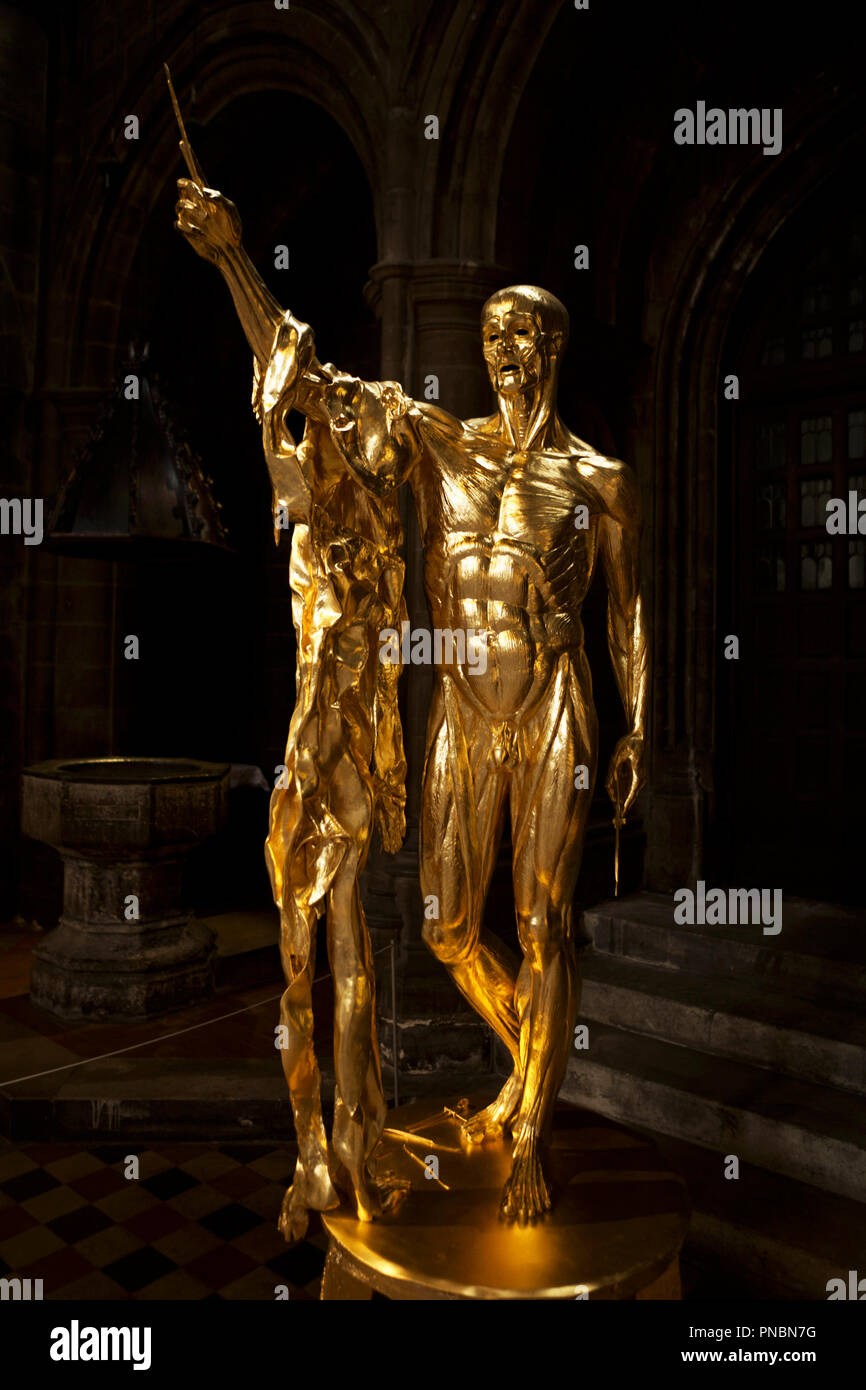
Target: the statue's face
pixel 512 344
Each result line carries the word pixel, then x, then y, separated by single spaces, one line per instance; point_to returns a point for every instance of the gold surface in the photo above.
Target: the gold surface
pixel 618 1220
pixel 516 515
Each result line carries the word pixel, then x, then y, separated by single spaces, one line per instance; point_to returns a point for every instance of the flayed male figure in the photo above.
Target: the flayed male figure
pixel 515 512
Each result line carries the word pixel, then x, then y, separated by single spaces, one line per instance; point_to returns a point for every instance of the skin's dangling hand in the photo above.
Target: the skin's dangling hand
pixel 390 818
pixel 209 222
pixel 624 787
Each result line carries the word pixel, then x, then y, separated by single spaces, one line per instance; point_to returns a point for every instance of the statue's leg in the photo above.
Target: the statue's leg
pixel 359 1102
pixel 454 882
pixel 549 816
pixel 311 1185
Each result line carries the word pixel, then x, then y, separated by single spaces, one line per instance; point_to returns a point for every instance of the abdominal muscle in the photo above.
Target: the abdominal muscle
pixel 493 590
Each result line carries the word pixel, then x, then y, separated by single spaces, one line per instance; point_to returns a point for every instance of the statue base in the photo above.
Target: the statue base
pixel 618 1221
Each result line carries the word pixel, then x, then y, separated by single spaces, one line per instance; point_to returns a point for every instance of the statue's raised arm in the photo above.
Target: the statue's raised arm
pixel 372 425
pixel 211 224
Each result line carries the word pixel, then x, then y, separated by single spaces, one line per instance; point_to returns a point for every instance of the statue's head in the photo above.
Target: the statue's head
pixel 524 331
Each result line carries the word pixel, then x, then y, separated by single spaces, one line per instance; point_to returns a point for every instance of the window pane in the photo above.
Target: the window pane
pixel 771 507
pixel 816 565
pixel 825 570
pixel 818 298
pixel 817 343
pixel 814 493
pixel 856 564
pixel 856 434
pixel 770 445
pixel 816 439
pixel 774 352
pixel 771 568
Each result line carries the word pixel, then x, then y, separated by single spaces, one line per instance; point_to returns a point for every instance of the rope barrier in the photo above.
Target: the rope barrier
pixel 165 1037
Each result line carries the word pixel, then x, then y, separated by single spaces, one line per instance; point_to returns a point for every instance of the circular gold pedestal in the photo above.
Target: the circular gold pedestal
pixel 619 1218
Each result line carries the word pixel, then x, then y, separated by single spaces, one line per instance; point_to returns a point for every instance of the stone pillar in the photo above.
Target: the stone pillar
pixel 25 77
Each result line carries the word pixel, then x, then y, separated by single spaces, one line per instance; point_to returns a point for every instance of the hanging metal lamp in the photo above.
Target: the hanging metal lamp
pixel 137 489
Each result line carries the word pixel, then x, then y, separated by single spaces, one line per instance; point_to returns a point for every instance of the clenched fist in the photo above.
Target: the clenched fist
pixel 210 222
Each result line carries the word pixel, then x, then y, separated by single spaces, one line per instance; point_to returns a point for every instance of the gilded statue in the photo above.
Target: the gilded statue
pixel 516 514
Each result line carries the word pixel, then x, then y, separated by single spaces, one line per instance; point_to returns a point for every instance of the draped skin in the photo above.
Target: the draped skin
pixel 344 771
pixel 346 577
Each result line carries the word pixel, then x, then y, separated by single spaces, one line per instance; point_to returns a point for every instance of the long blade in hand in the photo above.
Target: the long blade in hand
pixel 192 164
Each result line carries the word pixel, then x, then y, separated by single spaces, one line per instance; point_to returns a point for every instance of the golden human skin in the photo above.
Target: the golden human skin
pixel 344 763
pixel 515 513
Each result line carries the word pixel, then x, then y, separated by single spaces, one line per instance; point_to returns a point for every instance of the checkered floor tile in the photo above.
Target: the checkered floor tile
pixel 199 1222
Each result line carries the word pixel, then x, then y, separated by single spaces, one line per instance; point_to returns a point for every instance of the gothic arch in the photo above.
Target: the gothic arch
pixel 224 58
pixel 687 318
pixel 483 91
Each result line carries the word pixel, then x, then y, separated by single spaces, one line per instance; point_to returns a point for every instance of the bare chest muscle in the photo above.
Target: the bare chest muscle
pixel 532 513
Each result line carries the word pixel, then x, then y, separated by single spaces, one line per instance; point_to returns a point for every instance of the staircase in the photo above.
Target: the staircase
pixel 722 1041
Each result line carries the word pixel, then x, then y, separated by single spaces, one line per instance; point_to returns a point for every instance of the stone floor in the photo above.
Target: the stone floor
pixel 200 1222
pixel 209 1071
pixel 17 940
pixel 150 1074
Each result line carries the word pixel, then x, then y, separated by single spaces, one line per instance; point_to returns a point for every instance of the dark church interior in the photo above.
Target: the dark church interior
pixel 717 301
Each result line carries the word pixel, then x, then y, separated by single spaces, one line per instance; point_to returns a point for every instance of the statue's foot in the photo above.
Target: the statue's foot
pixel 379 1196
pixel 294 1217
pixel 490 1122
pixel 310 1191
pixel 525 1196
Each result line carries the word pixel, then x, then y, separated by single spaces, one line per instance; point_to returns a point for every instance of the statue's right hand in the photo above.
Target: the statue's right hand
pixel 210 222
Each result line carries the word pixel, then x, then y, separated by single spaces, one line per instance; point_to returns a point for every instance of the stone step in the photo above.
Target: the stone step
pixel 437 1028
pixel 188 1099
pixel 820 950
pixel 778 1237
pixel 736 1017
pixel 434 1044
pixel 811 1133
pixel 151 1098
